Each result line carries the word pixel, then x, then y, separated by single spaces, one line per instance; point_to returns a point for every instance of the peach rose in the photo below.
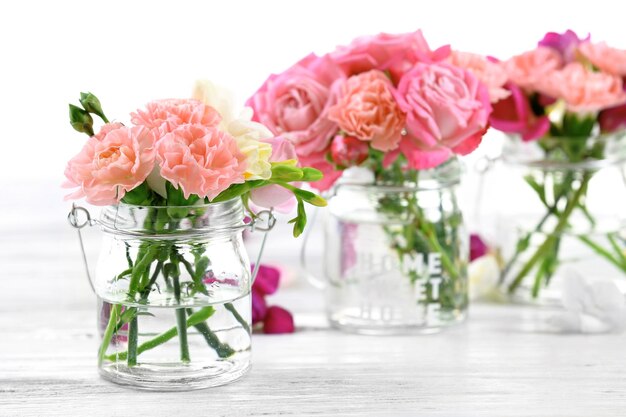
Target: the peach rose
pixel 584 90
pixel 201 160
pixel 445 106
pixel 114 161
pixel 490 73
pixel 530 69
pixel 294 104
pixel 367 110
pixel 166 115
pixel 611 60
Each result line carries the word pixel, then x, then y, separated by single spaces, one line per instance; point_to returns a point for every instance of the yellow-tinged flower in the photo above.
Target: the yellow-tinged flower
pixel 249 136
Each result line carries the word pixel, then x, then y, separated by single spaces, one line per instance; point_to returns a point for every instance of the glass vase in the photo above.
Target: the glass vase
pixel 396 255
pixel 564 214
pixel 174 296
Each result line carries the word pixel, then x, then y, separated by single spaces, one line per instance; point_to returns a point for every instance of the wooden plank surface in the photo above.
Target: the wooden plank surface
pixel 500 363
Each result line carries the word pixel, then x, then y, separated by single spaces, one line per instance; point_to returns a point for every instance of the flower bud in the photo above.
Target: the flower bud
pixel 347 151
pixel 92 105
pixel 81 120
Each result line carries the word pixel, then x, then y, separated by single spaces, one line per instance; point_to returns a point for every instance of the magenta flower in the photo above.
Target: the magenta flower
pixel 612 119
pixel 478 247
pixel 274 319
pixel 514 115
pixel 564 43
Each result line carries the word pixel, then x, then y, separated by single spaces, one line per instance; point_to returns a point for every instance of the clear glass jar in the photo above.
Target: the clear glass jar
pixel 563 214
pixel 396 256
pixel 174 296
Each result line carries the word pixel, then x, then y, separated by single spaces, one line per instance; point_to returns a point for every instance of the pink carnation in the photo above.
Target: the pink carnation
pixel 395 53
pixel 604 57
pixel 368 111
pixel 490 73
pixel 201 160
pixel 114 161
pixel 295 104
pixel 529 70
pixel 166 115
pixel 584 90
pixel 445 106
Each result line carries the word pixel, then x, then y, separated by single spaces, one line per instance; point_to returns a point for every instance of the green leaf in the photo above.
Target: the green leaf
pixel 140 195
pixel 81 120
pixel 299 222
pixel 309 197
pixel 176 197
pixel 91 104
pixel 286 173
pixel 231 192
pixel 535 186
pixel 311 174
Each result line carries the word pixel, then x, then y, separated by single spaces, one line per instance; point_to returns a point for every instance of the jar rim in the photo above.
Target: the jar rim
pixel 529 154
pixel 173 221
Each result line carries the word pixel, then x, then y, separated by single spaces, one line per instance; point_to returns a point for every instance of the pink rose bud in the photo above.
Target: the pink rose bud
pixel 348 151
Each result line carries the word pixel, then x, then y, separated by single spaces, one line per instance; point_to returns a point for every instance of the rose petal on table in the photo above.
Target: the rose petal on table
pixel 278 320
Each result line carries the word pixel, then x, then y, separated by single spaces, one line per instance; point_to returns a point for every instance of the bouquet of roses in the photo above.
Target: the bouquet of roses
pixel 392 105
pixel 176 157
pixel 567 95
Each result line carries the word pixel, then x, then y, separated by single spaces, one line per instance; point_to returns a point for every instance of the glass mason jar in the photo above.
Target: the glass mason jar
pixel 174 296
pixel 564 214
pixel 396 256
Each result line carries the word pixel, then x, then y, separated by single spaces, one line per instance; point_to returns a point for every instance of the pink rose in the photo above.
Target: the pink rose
pixel 490 73
pixel 416 156
pixel 275 196
pixel 530 69
pixel 201 160
pixel 166 115
pixel 367 110
pixel 445 106
pixel 604 57
pixel 114 161
pixel 386 52
pixel 514 115
pixel 347 151
pixel 294 104
pixel 584 90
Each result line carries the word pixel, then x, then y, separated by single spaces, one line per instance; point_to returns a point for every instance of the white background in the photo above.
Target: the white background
pixel 128 53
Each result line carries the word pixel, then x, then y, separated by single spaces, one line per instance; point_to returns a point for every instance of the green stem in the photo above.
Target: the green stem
pixel 550 240
pixel 108 332
pixel 602 252
pixel 132 341
pixel 198 317
pixel 618 250
pixel 223 350
pixel 181 323
pixel 230 307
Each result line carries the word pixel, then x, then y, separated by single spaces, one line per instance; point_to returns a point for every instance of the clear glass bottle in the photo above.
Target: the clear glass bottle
pixel 562 213
pixel 174 296
pixel 396 256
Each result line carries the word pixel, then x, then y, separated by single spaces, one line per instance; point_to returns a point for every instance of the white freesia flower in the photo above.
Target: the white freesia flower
pixel 218 97
pixel 249 134
pixel 591 306
pixel 483 275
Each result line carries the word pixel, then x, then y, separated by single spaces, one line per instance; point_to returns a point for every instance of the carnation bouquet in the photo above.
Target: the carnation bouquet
pixel 176 181
pixel 565 112
pixel 394 107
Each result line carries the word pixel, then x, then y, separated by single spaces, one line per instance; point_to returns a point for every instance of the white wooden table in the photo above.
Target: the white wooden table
pixel 495 365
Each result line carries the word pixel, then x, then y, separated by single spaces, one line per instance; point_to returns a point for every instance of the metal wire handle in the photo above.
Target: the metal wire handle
pixel 264 221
